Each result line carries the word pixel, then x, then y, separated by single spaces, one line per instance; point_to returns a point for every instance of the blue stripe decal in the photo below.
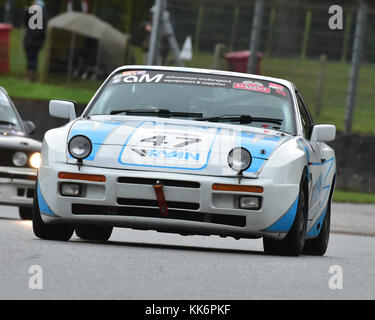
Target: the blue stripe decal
pixel 96 135
pixel 329 169
pixel 325 188
pixel 127 140
pixel 286 221
pixel 256 164
pixel 43 206
pixel 321 163
pixel 256 143
pixel 304 146
pixel 323 201
pixel 314 231
pixel 260 147
pixel 316 191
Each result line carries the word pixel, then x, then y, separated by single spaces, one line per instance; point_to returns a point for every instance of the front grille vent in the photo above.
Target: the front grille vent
pixel 165 182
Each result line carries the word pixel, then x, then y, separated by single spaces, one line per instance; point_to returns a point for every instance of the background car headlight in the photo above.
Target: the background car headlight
pixel 239 159
pixel 80 147
pixel 35 160
pixel 20 159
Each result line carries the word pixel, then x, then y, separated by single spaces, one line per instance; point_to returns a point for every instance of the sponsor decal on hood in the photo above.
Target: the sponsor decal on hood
pixel 172 144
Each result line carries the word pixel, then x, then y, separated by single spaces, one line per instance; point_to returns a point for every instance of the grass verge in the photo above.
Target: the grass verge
pixel 303 72
pixel 40 91
pixel 353 197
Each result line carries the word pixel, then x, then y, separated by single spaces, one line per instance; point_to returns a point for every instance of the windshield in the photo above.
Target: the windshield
pixel 196 96
pixel 8 118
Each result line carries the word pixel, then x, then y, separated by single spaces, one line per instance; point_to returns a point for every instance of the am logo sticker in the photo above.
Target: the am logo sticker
pixel 138 78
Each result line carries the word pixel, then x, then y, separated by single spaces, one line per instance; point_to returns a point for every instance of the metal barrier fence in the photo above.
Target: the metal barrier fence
pixel 297 44
pixel 289 28
pixel 296 41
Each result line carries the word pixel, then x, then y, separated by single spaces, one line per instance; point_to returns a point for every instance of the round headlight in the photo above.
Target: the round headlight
pixel 20 159
pixel 239 159
pixel 80 147
pixel 35 160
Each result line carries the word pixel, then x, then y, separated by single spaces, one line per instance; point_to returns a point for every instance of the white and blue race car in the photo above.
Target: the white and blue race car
pixel 189 151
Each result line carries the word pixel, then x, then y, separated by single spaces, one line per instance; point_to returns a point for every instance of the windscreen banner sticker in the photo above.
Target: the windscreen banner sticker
pixel 198 79
pixel 276 86
pixel 156 144
pixel 279 88
pixel 252 86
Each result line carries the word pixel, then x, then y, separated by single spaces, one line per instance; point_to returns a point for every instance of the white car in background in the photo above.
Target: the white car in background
pixel 189 151
pixel 19 158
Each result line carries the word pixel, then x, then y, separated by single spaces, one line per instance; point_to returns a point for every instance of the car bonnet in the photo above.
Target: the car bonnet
pixel 160 143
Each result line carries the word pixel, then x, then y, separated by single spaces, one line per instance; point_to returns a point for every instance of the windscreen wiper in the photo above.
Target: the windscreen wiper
pixel 7 123
pixel 242 119
pixel 158 112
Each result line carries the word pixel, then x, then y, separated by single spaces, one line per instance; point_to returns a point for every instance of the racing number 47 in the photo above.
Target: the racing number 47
pixel 158 141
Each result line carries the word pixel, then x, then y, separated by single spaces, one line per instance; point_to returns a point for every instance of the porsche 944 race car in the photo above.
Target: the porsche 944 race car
pixel 19 158
pixel 189 151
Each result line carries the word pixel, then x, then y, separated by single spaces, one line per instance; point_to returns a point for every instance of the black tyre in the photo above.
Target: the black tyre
pixel 26 213
pixel 59 232
pixel 94 232
pixel 293 243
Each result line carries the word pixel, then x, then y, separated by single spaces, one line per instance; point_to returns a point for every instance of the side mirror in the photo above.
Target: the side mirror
pixel 29 127
pixel 323 133
pixel 62 109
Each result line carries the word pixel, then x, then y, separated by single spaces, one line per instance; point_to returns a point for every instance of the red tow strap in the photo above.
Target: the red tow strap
pixel 158 187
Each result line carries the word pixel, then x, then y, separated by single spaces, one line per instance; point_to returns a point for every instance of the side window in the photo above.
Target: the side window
pixel 306 118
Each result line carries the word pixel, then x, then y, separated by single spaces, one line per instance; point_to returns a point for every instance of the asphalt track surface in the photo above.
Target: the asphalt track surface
pixel 150 265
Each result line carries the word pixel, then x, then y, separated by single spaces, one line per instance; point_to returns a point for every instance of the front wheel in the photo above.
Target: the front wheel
pixel 59 232
pixel 294 241
pixel 94 232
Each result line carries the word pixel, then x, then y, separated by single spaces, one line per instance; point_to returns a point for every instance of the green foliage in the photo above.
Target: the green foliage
pixel 353 197
pixel 303 73
pixel 24 89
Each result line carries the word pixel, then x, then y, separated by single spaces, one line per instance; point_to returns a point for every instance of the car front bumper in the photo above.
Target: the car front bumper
pixel 17 186
pixel 128 199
